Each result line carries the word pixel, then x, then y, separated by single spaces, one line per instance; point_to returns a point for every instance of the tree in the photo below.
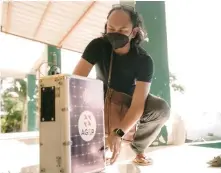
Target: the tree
pixel 174 84
pixel 14 103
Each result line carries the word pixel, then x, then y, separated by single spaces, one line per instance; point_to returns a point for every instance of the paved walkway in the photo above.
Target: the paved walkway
pixel 18 157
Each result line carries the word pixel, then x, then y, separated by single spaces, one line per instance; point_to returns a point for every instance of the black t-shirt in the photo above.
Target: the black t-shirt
pixel 134 66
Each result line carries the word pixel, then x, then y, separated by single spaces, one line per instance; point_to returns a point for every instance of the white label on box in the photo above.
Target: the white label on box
pixel 87 126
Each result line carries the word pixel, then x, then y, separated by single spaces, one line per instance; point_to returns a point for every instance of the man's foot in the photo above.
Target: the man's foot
pixel 143 160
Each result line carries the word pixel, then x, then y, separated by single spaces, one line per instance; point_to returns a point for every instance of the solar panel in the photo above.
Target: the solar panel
pixel 87 129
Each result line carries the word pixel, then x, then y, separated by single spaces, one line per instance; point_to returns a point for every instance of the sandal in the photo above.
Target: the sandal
pixel 143 160
pixel 215 162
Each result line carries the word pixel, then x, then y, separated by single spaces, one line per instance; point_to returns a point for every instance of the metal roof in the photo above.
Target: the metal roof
pixel 66 24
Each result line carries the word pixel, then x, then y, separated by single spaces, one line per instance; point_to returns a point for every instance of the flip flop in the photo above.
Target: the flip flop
pixel 143 161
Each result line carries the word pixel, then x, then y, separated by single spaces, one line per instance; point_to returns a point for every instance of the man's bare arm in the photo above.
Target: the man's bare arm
pixel 137 106
pixel 83 68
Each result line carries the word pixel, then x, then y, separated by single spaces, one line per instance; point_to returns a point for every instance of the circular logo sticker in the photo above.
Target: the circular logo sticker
pixel 87 126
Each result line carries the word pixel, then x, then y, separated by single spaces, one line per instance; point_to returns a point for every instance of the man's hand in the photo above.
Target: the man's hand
pixel 115 146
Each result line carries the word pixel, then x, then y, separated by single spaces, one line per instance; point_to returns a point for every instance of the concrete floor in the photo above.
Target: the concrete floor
pixel 17 157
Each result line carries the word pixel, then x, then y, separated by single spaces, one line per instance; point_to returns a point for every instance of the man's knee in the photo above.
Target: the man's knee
pixel 163 108
pixel 159 106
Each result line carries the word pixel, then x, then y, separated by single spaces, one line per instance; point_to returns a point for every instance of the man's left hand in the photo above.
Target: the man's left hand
pixel 115 146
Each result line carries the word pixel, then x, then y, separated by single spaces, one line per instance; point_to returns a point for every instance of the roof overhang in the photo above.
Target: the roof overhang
pixel 66 24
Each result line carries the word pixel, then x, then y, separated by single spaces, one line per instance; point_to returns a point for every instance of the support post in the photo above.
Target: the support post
pixel 54 57
pixel 31 101
pixel 153 13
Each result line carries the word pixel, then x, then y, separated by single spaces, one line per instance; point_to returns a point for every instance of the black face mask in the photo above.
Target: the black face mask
pixel 117 40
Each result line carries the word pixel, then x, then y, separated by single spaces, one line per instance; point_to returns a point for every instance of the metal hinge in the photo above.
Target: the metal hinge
pixel 58 160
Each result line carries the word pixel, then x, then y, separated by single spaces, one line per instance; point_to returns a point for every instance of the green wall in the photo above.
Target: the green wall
pixel 153 13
